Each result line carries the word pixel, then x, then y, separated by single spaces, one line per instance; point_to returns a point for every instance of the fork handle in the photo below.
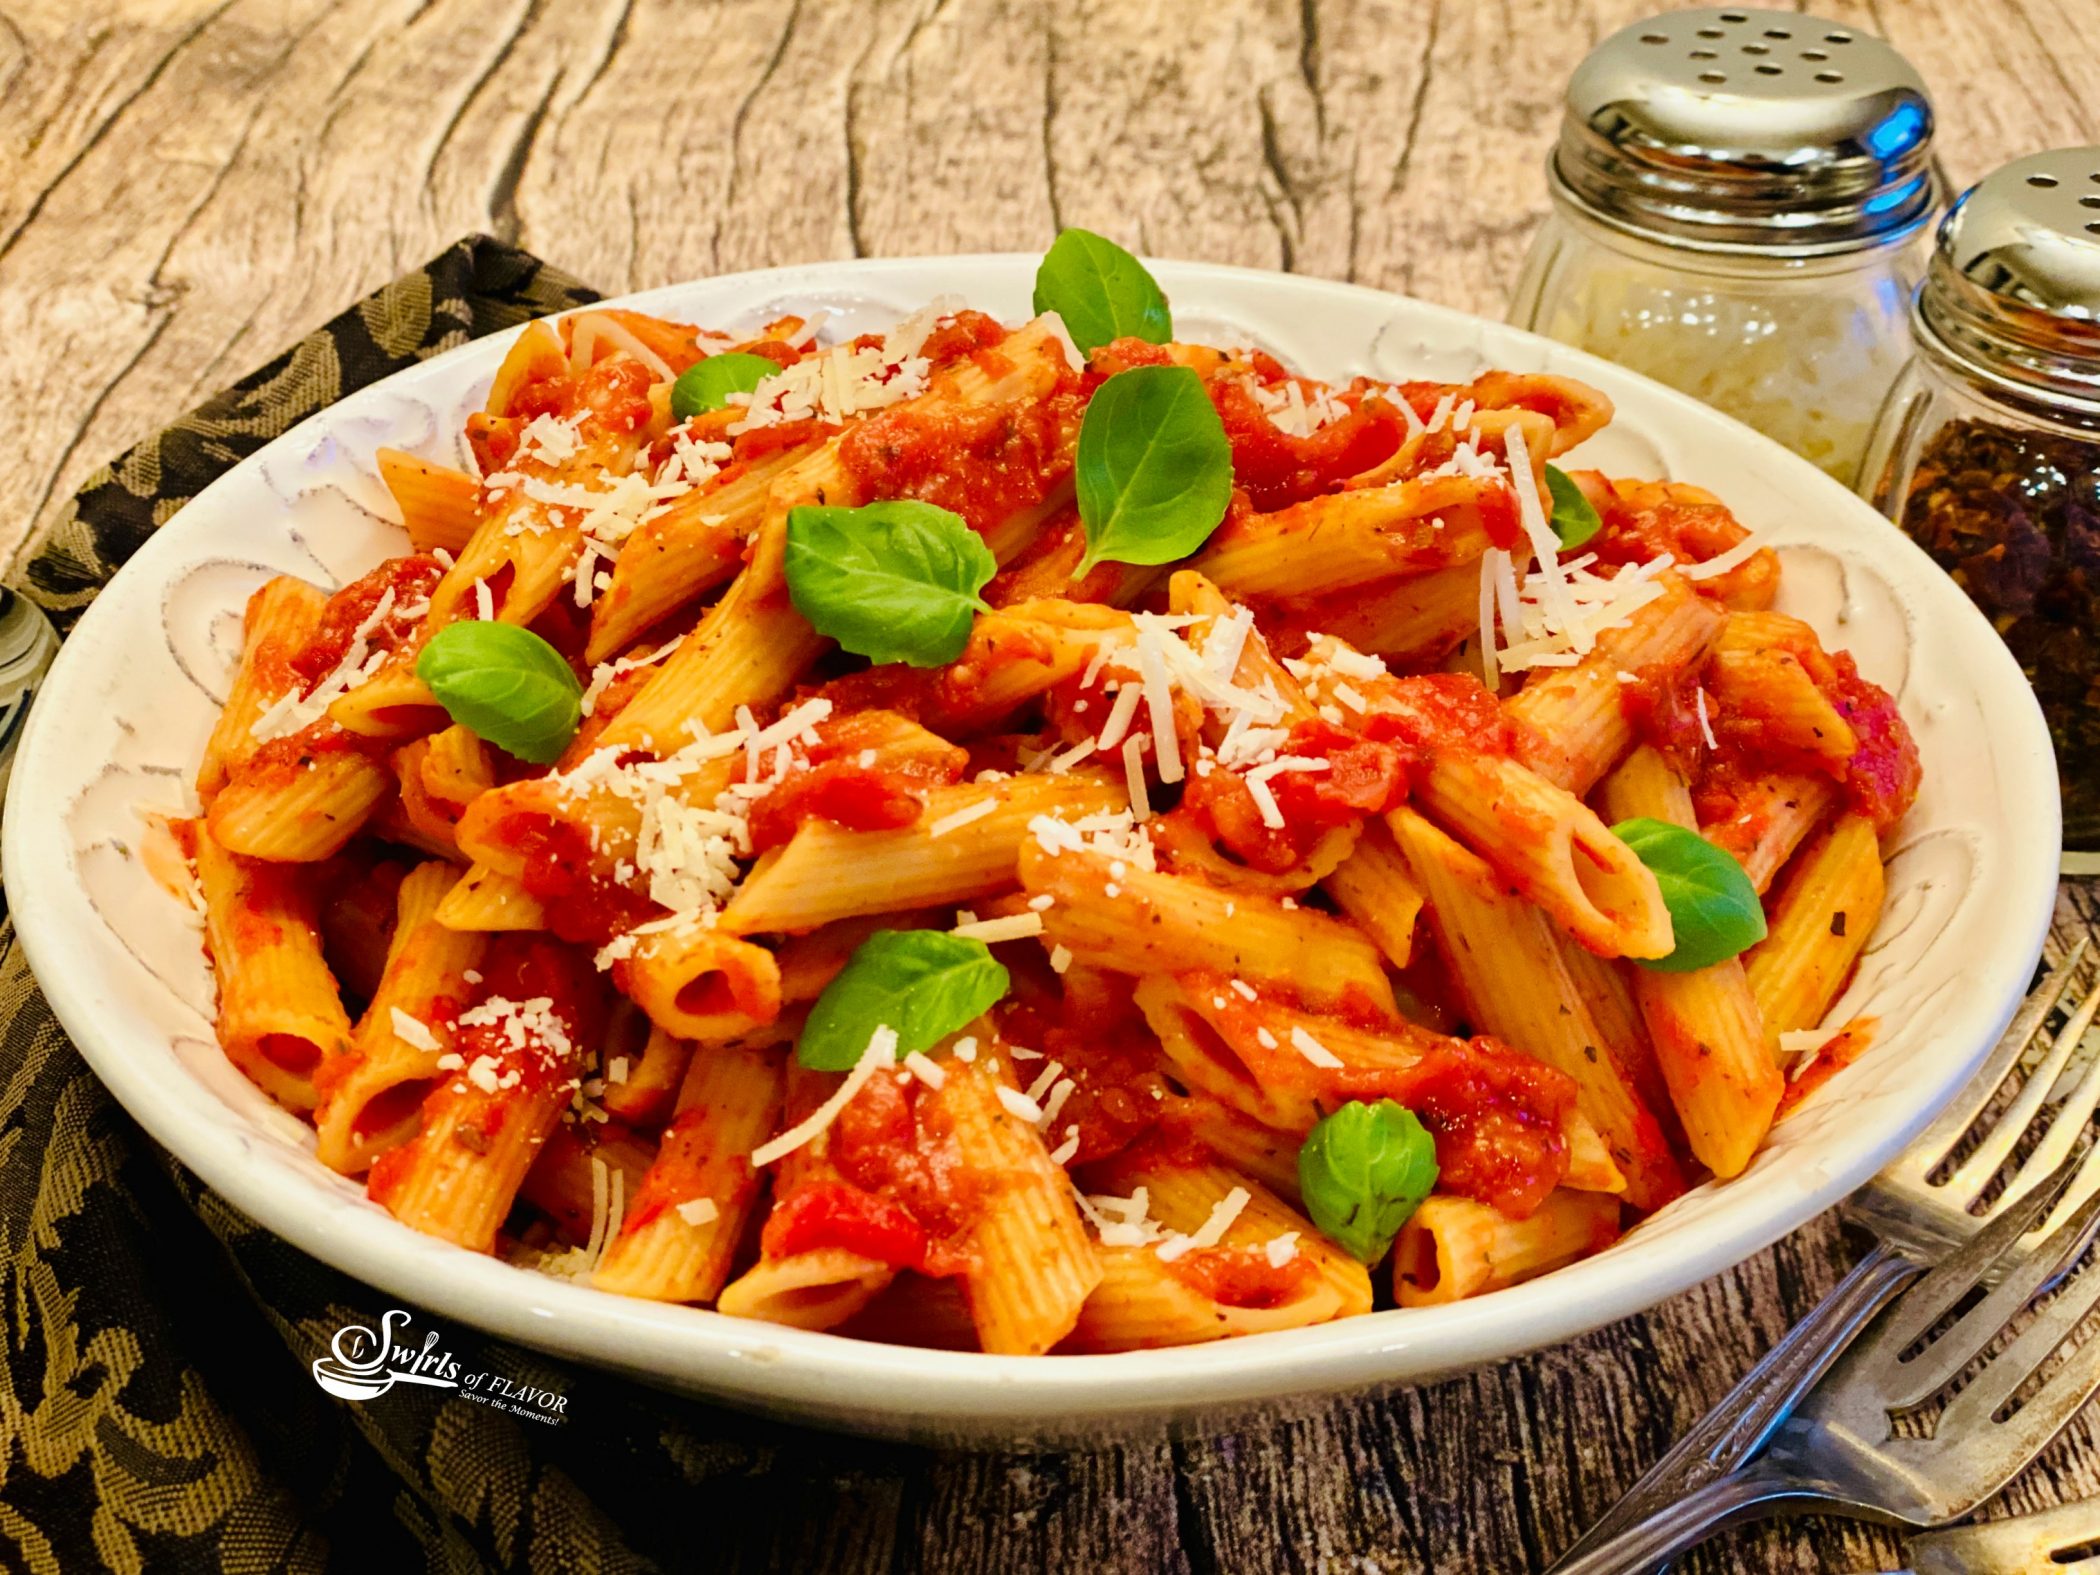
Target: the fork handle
pixel 1671 1529
pixel 1737 1427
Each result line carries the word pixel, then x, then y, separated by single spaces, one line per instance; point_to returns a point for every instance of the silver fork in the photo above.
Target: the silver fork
pixel 2066 1538
pixel 1916 1220
pixel 1840 1449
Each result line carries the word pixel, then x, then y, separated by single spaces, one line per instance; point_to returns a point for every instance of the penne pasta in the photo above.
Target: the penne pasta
pixel 1353 538
pixel 1031 1265
pixel 440 506
pixel 987 997
pixel 1504 958
pixel 1454 1248
pixel 1230 1287
pixel 1819 924
pixel 279 616
pixel 371 1097
pixel 826 873
pixel 1170 924
pixel 280 1018
pixel 1572 721
pixel 682 1227
pixel 1709 1037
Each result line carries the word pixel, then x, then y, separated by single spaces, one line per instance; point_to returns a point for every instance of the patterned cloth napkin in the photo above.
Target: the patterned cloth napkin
pixel 158 1408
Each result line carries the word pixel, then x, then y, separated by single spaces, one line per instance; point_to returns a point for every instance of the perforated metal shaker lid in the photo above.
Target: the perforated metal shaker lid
pixel 2013 288
pixel 1748 131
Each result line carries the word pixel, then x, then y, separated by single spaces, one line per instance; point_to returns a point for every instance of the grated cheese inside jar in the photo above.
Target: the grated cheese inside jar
pixel 1804 350
pixel 1740 204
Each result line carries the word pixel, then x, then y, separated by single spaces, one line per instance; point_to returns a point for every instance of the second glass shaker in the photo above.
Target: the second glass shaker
pixel 1739 202
pixel 1989 451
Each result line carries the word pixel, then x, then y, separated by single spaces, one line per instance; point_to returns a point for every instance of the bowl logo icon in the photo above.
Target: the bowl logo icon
pixel 364 1364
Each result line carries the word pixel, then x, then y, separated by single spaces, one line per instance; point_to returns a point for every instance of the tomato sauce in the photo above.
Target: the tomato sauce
pixel 1243 1276
pixel 1883 775
pixel 1649 524
pixel 1093 1027
pixel 755 443
pixel 1276 469
pixel 410 578
pixel 835 1214
pixel 1660 708
pixel 1497 1116
pixel 857 797
pixel 517 968
pixel 582 902
pixel 1364 777
pixel 965 333
pixel 524 967
pixel 613 395
pixel 1880 777
pixel 281 761
pixel 778 351
pixel 1438 714
pixel 829 782
pixel 983 462
pixel 900 1192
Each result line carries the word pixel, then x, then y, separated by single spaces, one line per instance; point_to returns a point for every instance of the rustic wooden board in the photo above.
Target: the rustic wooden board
pixel 191 185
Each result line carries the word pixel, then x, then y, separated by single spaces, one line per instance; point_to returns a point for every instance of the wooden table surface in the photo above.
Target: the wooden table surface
pixel 191 184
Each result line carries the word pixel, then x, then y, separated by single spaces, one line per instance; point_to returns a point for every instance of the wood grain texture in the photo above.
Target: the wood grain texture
pixel 190 185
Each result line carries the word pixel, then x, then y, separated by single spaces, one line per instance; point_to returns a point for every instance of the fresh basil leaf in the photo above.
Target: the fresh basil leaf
pixel 923 984
pixel 504 684
pixel 1362 1171
pixel 1154 471
pixel 1575 519
pixel 894 582
pixel 1714 911
pixel 706 385
pixel 1101 292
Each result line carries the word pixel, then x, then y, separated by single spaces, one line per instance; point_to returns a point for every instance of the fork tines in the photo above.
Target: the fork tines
pixel 1970 1423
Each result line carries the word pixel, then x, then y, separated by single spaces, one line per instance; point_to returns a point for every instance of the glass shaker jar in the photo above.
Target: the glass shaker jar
pixel 1740 200
pixel 1988 453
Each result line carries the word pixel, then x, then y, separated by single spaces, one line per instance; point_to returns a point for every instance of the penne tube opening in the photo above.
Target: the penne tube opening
pixel 1626 914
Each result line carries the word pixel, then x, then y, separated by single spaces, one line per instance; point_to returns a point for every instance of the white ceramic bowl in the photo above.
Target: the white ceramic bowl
pixel 127 707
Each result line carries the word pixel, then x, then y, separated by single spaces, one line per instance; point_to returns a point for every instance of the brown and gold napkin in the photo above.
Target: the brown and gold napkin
pixel 158 1408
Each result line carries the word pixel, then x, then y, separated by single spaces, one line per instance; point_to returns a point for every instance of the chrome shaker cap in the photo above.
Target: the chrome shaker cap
pixel 1740 130
pixel 2013 289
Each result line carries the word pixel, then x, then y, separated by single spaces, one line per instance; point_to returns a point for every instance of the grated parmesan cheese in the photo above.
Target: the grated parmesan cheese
pixel 1134 776
pixel 292 711
pixel 1315 1052
pixel 1212 1231
pixel 1722 562
pixel 412 1031
pixel 843 382
pixel 962 817
pixel 881 1051
pixel 1121 1222
pixel 1020 1105
pixel 925 1069
pixel 1014 927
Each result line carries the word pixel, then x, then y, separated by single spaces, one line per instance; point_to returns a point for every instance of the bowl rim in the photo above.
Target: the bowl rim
pixel 826 1376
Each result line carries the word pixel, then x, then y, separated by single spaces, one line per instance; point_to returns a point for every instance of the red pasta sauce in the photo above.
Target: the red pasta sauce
pixel 1363 777
pixel 901 1193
